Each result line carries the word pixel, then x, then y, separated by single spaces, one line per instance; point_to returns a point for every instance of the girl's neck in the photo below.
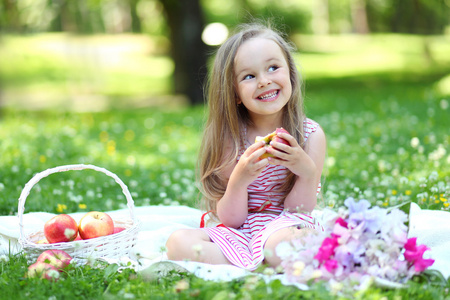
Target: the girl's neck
pixel 264 125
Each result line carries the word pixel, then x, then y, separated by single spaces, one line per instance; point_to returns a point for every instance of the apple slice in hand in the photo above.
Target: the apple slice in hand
pixel 272 137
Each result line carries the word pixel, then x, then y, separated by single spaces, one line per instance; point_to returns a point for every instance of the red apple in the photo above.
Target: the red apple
pixel 118 229
pixel 95 224
pixel 272 137
pixel 57 258
pixel 60 228
pixel 43 271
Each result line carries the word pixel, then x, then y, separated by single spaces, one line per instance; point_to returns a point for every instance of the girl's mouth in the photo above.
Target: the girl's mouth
pixel 269 96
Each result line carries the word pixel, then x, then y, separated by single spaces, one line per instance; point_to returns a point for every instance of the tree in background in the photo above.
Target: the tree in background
pixel 189 53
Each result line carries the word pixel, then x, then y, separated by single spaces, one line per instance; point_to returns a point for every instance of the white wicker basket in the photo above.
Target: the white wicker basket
pixel 111 246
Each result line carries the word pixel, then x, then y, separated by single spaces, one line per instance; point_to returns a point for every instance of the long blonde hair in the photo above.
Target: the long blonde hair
pixel 226 119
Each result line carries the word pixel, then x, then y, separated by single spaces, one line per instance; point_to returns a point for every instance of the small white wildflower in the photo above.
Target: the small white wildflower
pixel 284 250
pixel 133 183
pixel 415 142
pixel 269 271
pixel 53 274
pixel 403 180
pixel 299 266
pixel 4 258
pixel 433 176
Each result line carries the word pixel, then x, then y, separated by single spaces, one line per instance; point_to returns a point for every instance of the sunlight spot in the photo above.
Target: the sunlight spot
pixel 214 34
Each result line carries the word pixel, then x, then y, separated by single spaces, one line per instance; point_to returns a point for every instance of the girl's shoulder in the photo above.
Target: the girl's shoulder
pixel 309 126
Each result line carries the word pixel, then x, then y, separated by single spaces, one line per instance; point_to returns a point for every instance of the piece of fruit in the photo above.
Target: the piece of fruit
pixel 57 258
pixel 95 224
pixel 43 270
pixel 272 137
pixel 60 228
pixel 118 229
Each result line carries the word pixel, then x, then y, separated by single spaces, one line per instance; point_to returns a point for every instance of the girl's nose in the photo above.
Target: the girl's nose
pixel 264 81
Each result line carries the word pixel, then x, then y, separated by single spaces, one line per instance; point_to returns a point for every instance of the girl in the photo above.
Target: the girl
pixel 254 88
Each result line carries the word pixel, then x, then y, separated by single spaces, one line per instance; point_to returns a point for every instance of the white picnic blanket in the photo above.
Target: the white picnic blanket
pixel 431 228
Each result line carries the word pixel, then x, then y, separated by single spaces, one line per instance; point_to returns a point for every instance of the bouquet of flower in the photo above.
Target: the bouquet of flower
pixel 360 243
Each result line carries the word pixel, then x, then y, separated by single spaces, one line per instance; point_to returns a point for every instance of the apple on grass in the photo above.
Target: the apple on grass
pixel 57 258
pixel 60 228
pixel 273 136
pixel 43 270
pixel 95 224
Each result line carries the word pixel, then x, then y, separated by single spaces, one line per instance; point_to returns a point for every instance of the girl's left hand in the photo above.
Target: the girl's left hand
pixel 292 157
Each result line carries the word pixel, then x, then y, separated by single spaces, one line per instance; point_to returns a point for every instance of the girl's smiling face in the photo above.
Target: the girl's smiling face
pixel 262 77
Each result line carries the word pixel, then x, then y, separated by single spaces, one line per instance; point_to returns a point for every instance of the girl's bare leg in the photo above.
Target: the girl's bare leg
pixel 194 245
pixel 283 235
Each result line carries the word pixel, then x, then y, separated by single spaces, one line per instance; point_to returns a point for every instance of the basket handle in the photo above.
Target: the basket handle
pixel 36 178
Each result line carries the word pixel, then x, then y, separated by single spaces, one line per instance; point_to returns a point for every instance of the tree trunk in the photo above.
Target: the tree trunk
pixel 321 17
pixel 135 20
pixel 188 51
pixel 359 16
pixel 10 17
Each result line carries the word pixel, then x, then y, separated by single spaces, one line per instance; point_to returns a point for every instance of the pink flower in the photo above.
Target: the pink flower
pixel 327 248
pixel 414 254
pixel 330 265
pixel 342 222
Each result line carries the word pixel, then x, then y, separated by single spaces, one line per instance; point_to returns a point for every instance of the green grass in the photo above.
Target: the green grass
pixel 388 142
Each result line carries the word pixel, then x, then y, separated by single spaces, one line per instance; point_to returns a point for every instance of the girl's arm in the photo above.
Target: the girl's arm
pixel 307 164
pixel 232 208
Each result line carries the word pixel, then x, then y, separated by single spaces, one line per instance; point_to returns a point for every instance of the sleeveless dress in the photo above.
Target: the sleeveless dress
pixel 244 247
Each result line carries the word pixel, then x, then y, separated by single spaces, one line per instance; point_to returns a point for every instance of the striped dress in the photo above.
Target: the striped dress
pixel 244 247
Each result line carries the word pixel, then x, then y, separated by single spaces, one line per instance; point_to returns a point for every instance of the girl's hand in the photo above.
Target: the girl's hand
pixel 249 165
pixel 292 157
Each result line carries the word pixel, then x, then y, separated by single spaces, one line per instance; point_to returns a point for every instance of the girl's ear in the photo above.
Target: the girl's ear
pixel 238 100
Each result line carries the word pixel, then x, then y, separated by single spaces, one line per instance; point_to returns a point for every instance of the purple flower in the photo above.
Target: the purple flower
pixel 356 207
pixel 358 242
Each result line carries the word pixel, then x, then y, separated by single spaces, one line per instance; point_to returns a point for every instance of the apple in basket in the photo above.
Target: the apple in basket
pixel 118 229
pixel 43 270
pixel 272 137
pixel 57 258
pixel 60 228
pixel 95 224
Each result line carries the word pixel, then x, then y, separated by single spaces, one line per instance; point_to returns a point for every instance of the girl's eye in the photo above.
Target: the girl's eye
pixel 273 68
pixel 246 77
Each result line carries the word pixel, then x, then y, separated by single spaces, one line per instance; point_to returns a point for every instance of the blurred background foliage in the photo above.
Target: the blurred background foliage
pixel 139 51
